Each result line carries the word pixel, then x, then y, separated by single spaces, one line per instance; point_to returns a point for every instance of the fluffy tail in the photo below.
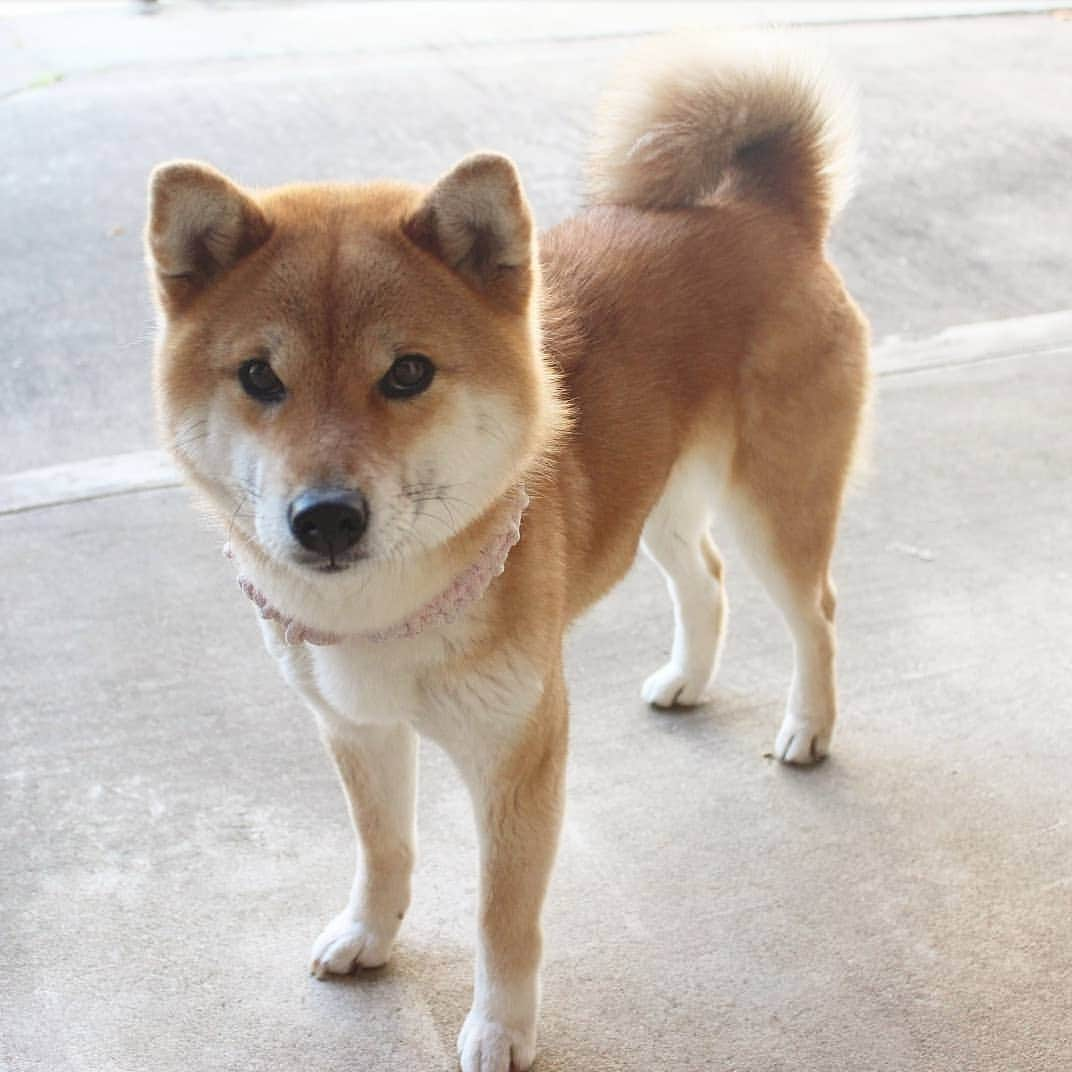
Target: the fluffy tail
pixel 747 116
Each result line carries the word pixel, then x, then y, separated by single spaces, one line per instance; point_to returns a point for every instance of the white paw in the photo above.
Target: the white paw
pixel 671 687
pixel 347 944
pixel 802 743
pixel 487 1046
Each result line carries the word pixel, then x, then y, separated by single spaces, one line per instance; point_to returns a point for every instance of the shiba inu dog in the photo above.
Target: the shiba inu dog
pixel 434 439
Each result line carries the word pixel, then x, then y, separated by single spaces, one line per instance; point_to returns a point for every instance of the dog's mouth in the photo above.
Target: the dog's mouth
pixel 331 564
pixel 331 567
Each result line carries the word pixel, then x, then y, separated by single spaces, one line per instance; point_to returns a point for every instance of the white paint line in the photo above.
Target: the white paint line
pixel 96 478
pixel 968 343
pixel 146 470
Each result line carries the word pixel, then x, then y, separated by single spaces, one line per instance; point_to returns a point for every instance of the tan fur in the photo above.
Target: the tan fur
pixel 680 349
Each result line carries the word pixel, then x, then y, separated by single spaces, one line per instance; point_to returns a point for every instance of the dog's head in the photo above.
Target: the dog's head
pixel 349 374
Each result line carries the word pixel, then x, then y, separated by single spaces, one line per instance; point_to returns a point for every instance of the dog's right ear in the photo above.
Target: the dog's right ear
pixel 200 224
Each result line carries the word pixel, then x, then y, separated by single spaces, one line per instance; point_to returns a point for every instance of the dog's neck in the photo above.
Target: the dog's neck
pixel 468 587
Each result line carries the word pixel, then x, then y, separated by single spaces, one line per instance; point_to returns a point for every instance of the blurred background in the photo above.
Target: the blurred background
pixel 171 838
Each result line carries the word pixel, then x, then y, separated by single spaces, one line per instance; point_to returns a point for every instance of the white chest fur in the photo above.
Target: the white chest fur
pixel 415 681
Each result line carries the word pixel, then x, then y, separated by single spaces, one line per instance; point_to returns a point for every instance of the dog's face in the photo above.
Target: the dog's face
pixel 348 374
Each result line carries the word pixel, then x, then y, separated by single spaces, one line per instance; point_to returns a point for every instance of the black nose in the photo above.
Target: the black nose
pixel 328 521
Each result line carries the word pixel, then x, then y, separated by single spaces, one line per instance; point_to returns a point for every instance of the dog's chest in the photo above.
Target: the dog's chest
pixel 410 681
pixel 355 683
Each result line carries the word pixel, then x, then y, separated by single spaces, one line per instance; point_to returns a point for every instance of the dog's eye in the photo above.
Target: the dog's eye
pixel 408 376
pixel 260 382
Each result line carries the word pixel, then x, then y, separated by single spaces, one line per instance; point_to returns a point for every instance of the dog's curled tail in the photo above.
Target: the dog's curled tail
pixel 749 116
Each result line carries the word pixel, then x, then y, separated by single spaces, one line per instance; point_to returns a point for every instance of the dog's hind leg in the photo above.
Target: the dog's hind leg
pixel 785 499
pixel 377 766
pixel 791 557
pixel 676 538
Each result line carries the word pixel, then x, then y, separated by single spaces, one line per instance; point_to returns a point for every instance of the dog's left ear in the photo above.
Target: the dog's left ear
pixel 477 221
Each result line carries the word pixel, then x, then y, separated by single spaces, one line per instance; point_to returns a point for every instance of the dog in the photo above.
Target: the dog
pixel 433 439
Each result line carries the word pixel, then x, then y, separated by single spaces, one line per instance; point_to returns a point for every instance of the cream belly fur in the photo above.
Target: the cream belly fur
pixel 357 380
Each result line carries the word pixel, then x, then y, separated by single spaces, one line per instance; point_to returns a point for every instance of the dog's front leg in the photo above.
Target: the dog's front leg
pixel 377 766
pixel 517 797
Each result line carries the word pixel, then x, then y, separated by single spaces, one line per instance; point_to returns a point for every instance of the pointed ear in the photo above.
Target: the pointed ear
pixel 200 224
pixel 477 221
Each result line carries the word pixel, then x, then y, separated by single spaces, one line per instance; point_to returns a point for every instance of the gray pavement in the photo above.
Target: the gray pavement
pixel 172 839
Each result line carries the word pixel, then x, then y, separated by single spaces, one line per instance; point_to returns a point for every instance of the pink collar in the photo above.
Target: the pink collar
pixel 467 588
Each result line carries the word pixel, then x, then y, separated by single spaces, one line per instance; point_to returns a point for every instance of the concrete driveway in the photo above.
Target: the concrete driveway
pixel 172 839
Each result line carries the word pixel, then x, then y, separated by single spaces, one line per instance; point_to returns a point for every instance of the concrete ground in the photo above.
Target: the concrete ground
pixel 172 839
